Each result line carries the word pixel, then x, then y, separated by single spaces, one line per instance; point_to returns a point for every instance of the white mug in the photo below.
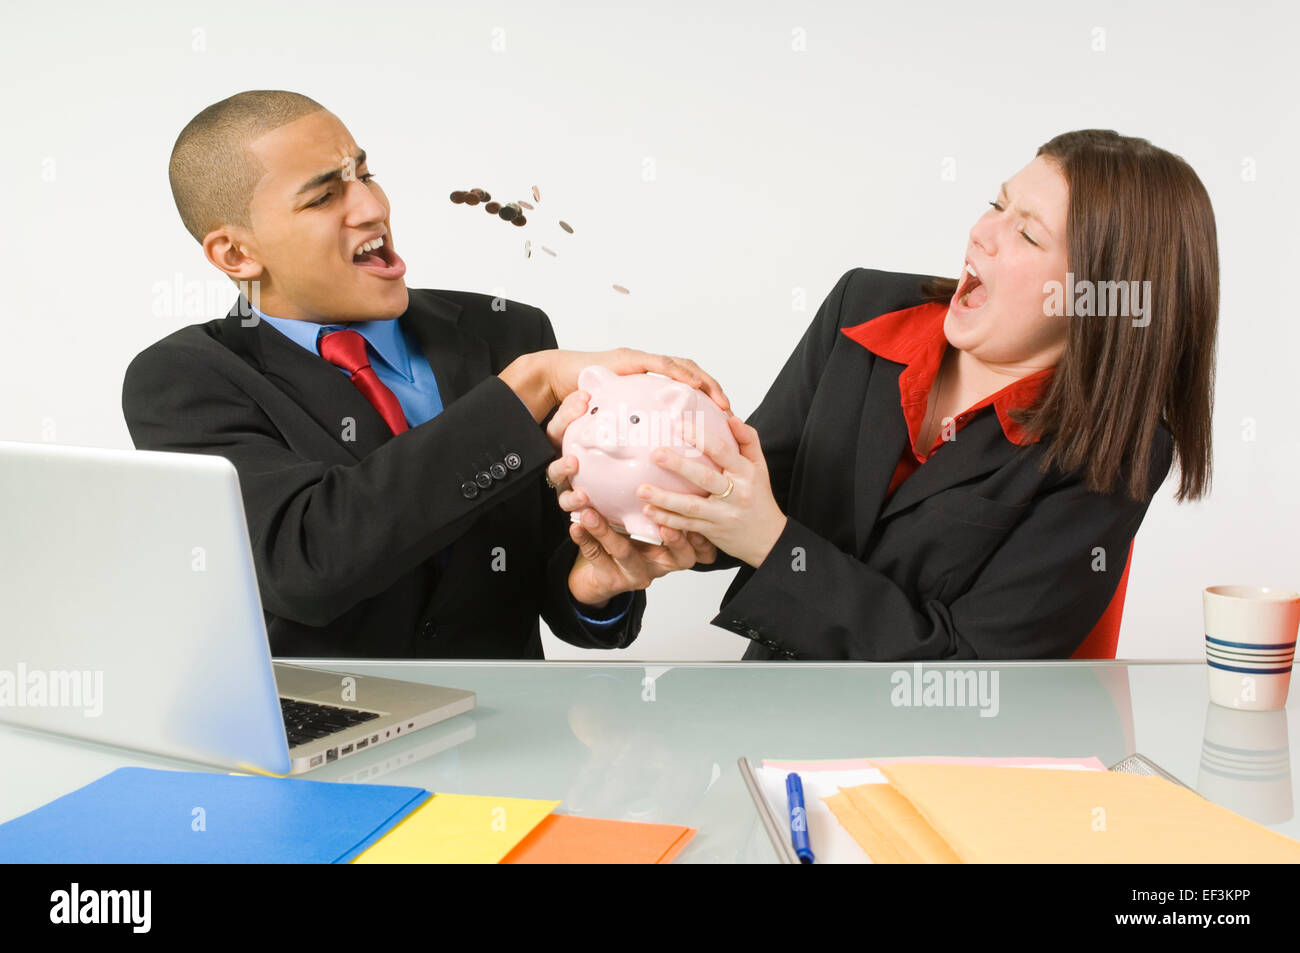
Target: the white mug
pixel 1250 636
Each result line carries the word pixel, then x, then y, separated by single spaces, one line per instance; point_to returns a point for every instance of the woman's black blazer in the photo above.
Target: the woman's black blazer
pixel 976 555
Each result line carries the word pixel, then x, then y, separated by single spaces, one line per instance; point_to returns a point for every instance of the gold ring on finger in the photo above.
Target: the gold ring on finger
pixel 731 485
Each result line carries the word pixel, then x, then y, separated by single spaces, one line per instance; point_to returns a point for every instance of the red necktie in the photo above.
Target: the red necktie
pixel 347 349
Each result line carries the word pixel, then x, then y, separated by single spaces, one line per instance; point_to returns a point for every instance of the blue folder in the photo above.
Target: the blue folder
pixel 144 816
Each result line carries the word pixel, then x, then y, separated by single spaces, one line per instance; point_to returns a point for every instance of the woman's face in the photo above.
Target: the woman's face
pixel 1015 248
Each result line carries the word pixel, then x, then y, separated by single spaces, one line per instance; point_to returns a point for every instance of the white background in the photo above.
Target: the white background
pixel 788 143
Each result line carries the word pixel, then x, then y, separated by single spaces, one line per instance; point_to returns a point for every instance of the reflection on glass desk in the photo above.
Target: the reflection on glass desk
pixel 660 743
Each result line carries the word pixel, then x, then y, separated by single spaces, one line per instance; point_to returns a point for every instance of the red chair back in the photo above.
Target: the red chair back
pixel 1103 640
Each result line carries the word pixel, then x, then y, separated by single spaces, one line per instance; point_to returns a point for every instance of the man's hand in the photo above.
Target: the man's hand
pixel 543 379
pixel 570 409
pixel 565 366
pixel 608 562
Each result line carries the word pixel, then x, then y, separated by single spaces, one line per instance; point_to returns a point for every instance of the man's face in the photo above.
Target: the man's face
pixel 316 204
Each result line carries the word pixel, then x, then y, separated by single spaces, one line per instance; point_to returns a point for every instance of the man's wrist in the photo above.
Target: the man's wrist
pixel 528 376
pixel 582 601
pixel 613 610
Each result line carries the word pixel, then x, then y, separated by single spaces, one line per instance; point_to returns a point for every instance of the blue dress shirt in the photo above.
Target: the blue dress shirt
pixel 403 369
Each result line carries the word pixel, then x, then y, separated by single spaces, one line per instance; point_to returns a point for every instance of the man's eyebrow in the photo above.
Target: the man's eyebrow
pixel 325 177
pixel 1029 214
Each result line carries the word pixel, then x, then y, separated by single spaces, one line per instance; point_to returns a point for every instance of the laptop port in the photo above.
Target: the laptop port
pixel 374 739
pixel 332 754
pixel 362 743
pixel 345 750
pixel 316 761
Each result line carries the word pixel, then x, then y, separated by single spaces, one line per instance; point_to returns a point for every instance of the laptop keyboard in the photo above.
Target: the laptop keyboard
pixel 308 721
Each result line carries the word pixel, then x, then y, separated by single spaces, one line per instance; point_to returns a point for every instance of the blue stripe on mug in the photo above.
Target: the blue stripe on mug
pixel 1250 657
pixel 1210 647
pixel 1280 670
pixel 1237 660
pixel 1252 645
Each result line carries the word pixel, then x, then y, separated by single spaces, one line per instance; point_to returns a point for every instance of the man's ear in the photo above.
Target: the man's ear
pixel 226 250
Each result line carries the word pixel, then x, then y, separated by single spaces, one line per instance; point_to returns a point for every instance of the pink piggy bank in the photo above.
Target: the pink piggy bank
pixel 628 417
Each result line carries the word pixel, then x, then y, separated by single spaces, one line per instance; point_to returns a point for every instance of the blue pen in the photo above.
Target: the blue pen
pixel 798 818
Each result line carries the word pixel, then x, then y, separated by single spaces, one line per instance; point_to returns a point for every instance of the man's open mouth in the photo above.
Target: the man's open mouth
pixel 377 257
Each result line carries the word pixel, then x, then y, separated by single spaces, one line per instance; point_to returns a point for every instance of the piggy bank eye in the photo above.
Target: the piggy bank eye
pixel 634 419
pixel 594 409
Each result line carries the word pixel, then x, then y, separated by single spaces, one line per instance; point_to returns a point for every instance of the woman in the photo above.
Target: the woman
pixel 957 469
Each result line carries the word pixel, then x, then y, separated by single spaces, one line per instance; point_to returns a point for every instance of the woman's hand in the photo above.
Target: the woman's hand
pixel 745 522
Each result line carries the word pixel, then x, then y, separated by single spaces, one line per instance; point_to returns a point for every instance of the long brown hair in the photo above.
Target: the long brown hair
pixel 1136 212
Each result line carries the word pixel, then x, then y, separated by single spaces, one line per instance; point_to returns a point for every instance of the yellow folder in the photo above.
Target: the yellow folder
pixel 458 829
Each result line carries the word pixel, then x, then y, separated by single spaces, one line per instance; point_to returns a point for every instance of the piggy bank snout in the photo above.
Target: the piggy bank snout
pixel 627 429
pixel 598 433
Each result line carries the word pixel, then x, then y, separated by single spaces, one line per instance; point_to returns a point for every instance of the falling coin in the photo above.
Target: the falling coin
pixel 493 207
pixel 549 252
pixel 472 199
pixel 621 290
pixel 519 220
pixel 458 197
pixel 567 227
pixel 509 212
pixel 524 204
pixel 537 196
pixel 528 248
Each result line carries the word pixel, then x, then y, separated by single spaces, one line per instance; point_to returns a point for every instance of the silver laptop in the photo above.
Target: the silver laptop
pixel 130 615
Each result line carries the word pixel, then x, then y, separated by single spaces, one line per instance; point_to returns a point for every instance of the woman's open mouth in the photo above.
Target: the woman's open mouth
pixel 378 258
pixel 971 293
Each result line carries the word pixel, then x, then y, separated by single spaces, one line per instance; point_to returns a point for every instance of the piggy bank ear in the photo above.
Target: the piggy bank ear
pixel 594 377
pixel 674 398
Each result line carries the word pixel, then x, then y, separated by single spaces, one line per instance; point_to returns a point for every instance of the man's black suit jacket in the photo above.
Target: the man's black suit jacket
pixel 349 523
pixel 976 555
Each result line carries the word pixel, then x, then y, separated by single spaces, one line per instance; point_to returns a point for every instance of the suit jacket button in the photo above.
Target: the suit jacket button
pixel 483 479
pixel 428 632
pixel 514 461
pixel 498 471
pixel 468 490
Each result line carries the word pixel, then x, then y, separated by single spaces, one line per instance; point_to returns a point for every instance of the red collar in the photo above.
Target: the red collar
pixel 914 337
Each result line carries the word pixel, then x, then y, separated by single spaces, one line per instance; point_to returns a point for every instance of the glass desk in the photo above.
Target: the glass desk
pixel 660 742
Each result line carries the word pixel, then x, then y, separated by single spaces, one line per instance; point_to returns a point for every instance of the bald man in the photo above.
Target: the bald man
pixel 391 443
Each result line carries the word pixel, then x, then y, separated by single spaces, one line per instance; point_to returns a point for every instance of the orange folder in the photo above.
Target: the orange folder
pixel 567 839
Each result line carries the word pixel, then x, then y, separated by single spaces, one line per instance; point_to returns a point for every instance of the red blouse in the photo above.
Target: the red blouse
pixel 914 337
